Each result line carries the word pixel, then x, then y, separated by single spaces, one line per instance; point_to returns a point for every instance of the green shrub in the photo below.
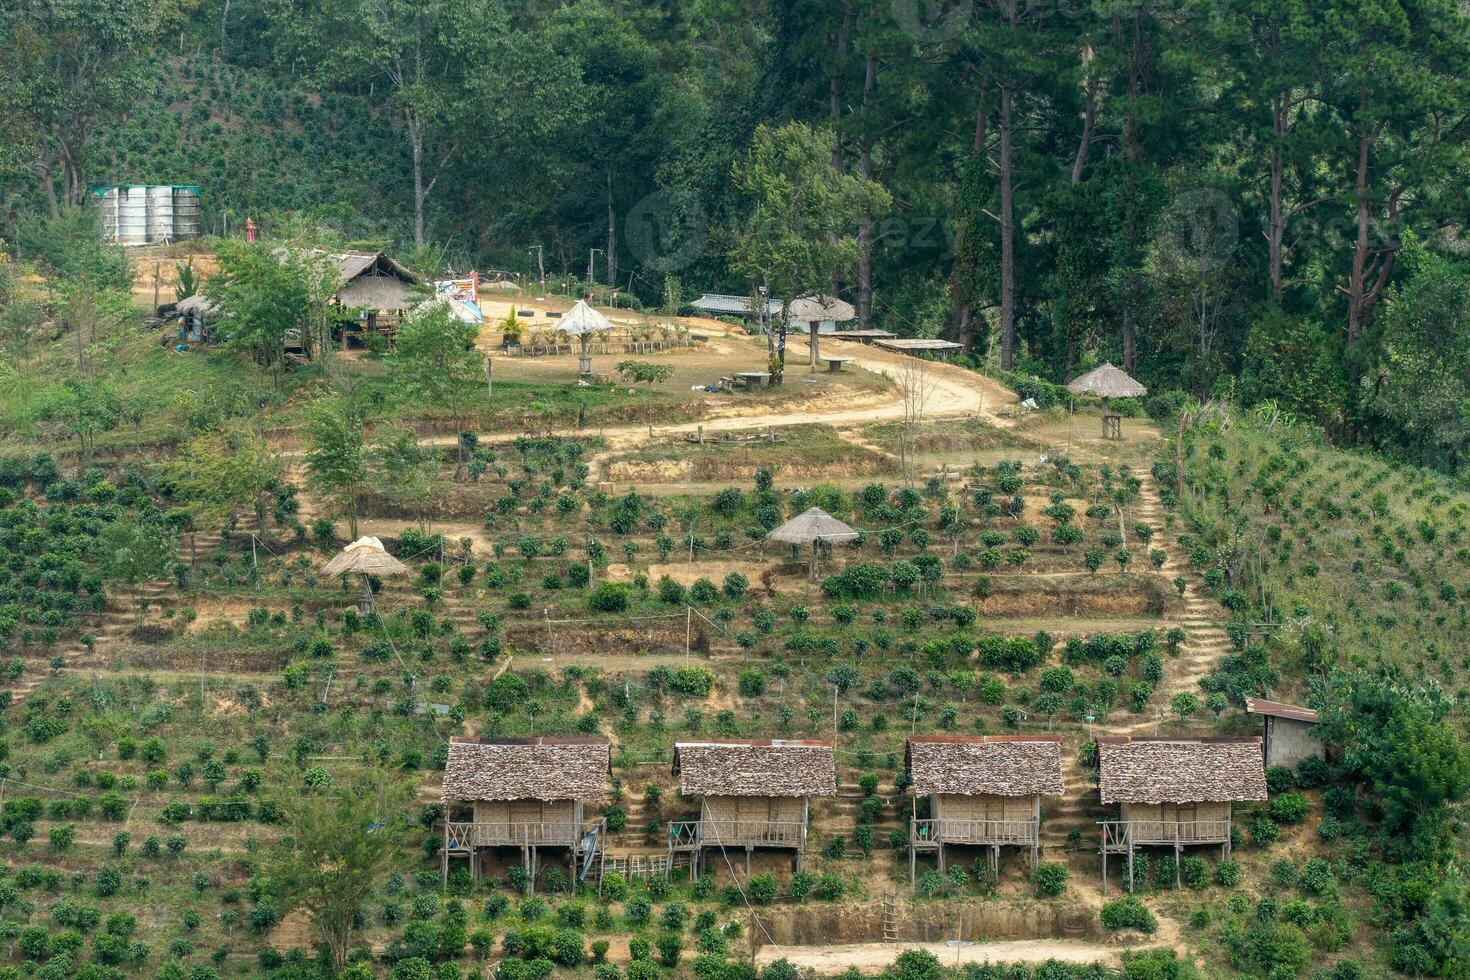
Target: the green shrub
pixel 1227 873
pixel 609 597
pixel 1128 913
pixel 1050 880
pixel 1288 808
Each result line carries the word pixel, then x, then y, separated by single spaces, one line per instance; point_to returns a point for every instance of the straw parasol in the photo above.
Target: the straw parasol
pixel 581 321
pixel 814 311
pixel 1108 382
pixel 366 556
pixel 810 527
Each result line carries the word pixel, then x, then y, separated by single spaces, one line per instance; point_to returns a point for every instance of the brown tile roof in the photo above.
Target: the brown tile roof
pixel 1279 709
pixel 761 767
pixel 1180 770
pixel 526 769
pixel 998 765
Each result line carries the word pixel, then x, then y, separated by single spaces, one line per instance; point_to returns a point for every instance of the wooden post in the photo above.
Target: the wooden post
pixel 489 378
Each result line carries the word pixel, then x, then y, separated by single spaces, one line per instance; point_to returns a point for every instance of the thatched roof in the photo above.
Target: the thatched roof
pixel 815 309
pixel 583 319
pixel 813 525
pixel 1180 770
pixel 198 303
pixel 771 767
pixel 526 769
pixel 994 765
pixel 1107 382
pixel 1279 709
pixel 366 556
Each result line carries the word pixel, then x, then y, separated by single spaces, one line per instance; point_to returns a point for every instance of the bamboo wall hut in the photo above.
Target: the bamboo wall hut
pixel 753 793
pixel 527 793
pixel 982 791
pixel 1175 791
pixel 1288 733
pixel 377 284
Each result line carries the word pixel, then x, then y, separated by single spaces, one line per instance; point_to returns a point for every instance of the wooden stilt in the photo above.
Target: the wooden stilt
pixel 1130 866
pixel 748 849
pixel 1105 871
pixel 941 858
pixel 1177 850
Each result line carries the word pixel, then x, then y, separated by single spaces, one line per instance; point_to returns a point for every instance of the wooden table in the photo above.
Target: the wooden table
pixel 754 379
pixel 834 364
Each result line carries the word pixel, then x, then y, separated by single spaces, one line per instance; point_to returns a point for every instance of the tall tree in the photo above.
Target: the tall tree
pixel 336 463
pixel 435 360
pixel 799 228
pixel 338 845
pixel 72 64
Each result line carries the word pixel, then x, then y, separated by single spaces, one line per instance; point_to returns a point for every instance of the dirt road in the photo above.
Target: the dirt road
pixel 873 958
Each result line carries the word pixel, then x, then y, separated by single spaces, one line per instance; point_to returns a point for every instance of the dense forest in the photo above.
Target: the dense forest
pixel 1256 200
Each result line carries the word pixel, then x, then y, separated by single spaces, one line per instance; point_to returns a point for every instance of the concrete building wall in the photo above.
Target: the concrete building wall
pixel 1289 742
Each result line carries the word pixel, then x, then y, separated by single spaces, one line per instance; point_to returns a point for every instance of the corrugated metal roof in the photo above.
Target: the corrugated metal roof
pixel 1279 709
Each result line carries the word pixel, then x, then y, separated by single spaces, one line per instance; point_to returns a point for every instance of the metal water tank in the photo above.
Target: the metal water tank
pixel 132 215
pixel 107 204
pixel 160 214
pixel 186 212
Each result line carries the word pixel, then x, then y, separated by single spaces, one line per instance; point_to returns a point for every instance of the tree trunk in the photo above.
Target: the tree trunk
pixel 778 362
pixel 1276 222
pixel 1007 236
pixel 612 236
pixel 1089 119
pixel 1357 281
pixel 46 165
pixel 416 138
pixel 1132 149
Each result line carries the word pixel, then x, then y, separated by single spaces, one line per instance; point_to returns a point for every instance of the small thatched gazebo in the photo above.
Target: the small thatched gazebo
pixel 811 527
pixel 581 321
pixel 1108 382
pixel 366 557
pixel 815 311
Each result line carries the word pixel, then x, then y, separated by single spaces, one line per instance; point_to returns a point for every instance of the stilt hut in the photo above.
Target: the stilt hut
pixel 811 527
pixel 983 791
pixel 753 793
pixel 366 557
pixel 1108 382
pixel 581 322
pixel 1289 734
pixel 1174 792
pixel 526 793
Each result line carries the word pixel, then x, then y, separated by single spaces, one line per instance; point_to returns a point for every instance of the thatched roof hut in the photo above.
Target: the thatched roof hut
pixel 810 527
pixel 365 556
pixel 374 281
pixel 1107 382
pixel 756 767
pixel 1168 769
pixel 526 769
pixel 986 765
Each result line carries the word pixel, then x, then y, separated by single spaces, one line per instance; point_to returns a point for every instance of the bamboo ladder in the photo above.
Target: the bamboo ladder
pixel 890 917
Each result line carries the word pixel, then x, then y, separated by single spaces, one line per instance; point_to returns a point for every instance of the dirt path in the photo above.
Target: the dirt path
pixel 873 958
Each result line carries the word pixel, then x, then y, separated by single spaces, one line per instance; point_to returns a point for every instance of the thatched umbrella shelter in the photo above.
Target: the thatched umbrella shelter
pixel 581 321
pixel 811 527
pixel 1108 382
pixel 366 557
pixel 815 311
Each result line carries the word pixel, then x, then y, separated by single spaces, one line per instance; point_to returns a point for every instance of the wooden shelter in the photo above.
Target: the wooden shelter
pixel 1289 734
pixel 916 346
pixel 811 527
pixel 753 793
pixel 581 322
pixel 1174 791
pixel 983 791
pixel 527 793
pixel 366 557
pixel 1108 382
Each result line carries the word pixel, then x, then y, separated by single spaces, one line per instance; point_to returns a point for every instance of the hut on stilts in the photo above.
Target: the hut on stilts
pixel 1174 791
pixel 813 527
pixel 983 791
pixel 366 557
pixel 753 793
pixel 1108 382
pixel 525 793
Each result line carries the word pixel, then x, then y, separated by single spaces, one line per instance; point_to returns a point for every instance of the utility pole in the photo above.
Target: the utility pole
pixel 591 259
